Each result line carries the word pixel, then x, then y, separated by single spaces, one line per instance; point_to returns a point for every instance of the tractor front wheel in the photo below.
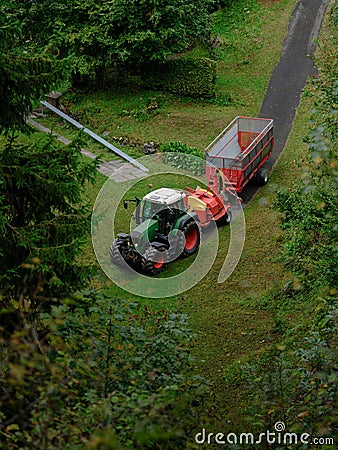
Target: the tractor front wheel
pixel 192 237
pixel 115 254
pixel 154 262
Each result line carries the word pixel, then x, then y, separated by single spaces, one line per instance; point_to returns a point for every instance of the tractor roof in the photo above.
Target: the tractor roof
pixel 165 196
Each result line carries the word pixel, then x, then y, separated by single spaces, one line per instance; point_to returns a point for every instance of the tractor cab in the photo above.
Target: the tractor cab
pixel 165 229
pixel 163 205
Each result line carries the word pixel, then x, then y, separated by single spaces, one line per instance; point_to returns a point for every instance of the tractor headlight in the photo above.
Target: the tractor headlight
pixel 136 238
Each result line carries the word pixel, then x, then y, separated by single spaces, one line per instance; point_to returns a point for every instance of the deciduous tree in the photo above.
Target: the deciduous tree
pixel 101 34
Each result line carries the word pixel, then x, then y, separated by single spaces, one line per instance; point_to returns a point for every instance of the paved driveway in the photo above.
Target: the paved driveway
pixel 289 76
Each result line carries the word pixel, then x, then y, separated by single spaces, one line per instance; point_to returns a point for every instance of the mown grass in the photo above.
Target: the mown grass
pixel 237 322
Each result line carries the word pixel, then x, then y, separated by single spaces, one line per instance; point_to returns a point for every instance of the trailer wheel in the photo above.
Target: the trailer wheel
pixel 192 235
pixel 153 262
pixel 226 219
pixel 262 177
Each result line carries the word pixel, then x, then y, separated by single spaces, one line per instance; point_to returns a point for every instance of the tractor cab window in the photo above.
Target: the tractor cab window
pixel 149 209
pixel 176 209
pixel 166 213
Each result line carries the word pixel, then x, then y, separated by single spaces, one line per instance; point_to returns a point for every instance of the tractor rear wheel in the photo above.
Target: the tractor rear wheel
pixel 153 262
pixel 192 237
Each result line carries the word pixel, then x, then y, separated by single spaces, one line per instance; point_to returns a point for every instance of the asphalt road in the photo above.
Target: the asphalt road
pixel 289 76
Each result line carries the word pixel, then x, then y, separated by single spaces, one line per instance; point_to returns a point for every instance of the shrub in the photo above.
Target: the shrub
pixel 109 374
pixel 184 76
pixel 176 156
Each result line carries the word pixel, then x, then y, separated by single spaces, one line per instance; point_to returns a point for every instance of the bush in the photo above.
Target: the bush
pixel 176 156
pixel 109 374
pixel 184 76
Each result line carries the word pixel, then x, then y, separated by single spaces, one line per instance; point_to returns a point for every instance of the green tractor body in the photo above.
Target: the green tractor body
pixel 164 231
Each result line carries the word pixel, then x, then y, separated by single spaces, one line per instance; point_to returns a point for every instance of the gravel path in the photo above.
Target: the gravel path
pixel 117 170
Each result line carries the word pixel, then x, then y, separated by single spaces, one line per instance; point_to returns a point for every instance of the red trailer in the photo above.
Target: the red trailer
pixel 240 151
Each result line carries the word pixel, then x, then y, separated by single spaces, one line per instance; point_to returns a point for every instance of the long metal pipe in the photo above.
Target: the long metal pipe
pixel 95 136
